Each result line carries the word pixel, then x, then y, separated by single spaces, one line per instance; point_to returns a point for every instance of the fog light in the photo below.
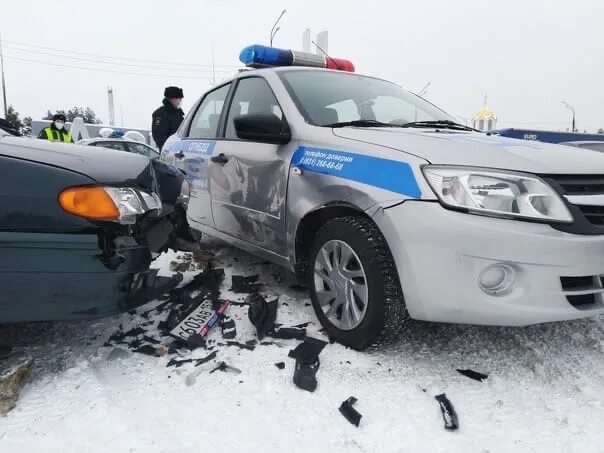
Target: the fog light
pixel 496 279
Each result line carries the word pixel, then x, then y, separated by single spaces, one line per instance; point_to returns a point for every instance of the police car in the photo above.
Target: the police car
pixel 385 206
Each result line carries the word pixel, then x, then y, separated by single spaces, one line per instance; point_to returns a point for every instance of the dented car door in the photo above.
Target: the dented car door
pixel 248 179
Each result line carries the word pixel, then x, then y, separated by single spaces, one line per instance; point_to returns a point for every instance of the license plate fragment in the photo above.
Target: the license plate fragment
pixel 200 320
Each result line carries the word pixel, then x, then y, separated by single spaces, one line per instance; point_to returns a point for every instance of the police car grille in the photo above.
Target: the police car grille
pixel 595 214
pixel 585 192
pixel 580 184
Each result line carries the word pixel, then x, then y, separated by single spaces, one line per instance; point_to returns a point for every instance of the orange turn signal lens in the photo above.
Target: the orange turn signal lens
pixel 89 202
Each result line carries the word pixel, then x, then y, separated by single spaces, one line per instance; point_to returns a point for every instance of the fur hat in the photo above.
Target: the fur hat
pixel 173 92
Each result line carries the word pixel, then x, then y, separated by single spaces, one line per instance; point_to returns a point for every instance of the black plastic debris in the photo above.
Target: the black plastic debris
pixel 303 325
pixel 147 349
pixel 245 285
pixel 262 314
pixel 474 375
pixel 249 345
pixel 288 333
pixel 196 341
pixel 135 344
pixel 448 412
pixel 178 363
pixel 229 330
pixel 310 345
pixel 206 359
pixel 280 365
pixel 349 412
pixel 307 363
pixel 148 339
pixel 222 366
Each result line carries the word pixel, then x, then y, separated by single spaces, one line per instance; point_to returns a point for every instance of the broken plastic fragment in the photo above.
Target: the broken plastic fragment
pixel 280 365
pixel 448 412
pixel 288 333
pixel 196 341
pixel 474 375
pixel 222 366
pixel 349 412
pixel 147 349
pixel 262 314
pixel 307 363
pixel 206 359
pixel 229 330
pixel 247 285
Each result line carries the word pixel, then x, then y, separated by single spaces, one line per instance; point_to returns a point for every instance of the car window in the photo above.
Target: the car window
pixel 112 145
pixel 253 95
pixel 144 150
pixel 206 119
pixel 330 97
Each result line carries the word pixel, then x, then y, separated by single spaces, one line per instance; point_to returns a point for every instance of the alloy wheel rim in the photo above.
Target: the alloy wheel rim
pixel 341 285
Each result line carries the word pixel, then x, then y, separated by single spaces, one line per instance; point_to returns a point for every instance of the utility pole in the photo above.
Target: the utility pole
pixel 3 81
pixel 213 67
pixel 111 106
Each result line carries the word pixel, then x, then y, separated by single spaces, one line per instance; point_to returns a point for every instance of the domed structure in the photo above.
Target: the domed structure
pixel 485 119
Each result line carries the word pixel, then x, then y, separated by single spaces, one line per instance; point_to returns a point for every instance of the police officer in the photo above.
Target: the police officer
pixel 56 131
pixel 167 118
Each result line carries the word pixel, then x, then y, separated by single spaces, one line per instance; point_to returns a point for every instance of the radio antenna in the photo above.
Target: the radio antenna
pixel 326 55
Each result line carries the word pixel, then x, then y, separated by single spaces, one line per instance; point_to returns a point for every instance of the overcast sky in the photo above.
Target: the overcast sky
pixel 526 55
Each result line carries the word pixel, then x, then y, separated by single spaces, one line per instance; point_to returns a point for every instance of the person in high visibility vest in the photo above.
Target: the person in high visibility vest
pixel 56 131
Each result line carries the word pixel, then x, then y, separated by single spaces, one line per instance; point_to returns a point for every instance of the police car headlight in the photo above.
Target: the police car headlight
pixel 497 193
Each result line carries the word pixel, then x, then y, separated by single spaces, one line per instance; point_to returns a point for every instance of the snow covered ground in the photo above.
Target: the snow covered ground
pixel 545 390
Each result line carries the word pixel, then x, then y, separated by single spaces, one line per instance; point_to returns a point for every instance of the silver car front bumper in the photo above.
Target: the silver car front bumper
pixel 441 254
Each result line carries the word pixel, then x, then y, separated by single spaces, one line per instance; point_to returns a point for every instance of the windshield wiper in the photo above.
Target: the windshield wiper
pixel 443 124
pixel 360 123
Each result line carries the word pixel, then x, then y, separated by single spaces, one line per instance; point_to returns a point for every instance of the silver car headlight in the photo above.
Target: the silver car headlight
pixel 185 193
pixel 132 203
pixel 496 193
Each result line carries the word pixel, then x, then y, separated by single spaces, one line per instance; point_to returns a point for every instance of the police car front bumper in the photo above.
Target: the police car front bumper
pixel 463 268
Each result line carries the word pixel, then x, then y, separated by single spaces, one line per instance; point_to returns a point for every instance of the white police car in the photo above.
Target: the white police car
pixel 385 206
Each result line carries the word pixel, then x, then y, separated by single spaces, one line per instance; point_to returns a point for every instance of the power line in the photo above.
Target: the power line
pixel 106 70
pixel 118 63
pixel 113 57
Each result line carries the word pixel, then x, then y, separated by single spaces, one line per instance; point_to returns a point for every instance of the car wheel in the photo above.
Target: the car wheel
pixel 354 284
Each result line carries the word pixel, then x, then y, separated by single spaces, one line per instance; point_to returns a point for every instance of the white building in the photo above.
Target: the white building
pixel 485 119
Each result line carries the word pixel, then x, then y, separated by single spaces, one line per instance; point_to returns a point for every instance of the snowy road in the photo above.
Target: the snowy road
pixel 544 393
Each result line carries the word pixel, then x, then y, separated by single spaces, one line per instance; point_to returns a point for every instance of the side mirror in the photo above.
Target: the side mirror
pixel 262 127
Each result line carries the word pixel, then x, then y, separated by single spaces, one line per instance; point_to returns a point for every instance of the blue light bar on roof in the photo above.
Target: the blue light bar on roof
pixel 258 56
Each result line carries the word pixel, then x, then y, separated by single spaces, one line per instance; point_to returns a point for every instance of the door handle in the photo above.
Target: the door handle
pixel 179 155
pixel 220 159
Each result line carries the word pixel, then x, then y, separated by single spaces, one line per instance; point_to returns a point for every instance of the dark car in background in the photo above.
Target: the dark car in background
pixel 79 227
pixel 130 146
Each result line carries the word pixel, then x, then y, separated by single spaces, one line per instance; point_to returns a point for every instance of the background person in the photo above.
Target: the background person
pixel 167 118
pixel 56 131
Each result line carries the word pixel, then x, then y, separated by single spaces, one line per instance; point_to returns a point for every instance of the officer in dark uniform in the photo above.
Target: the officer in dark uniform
pixel 167 118
pixel 56 131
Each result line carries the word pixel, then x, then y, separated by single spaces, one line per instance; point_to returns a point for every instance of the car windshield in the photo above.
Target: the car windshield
pixel 328 98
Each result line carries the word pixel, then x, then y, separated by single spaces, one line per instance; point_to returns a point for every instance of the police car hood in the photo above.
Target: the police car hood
pixel 481 150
